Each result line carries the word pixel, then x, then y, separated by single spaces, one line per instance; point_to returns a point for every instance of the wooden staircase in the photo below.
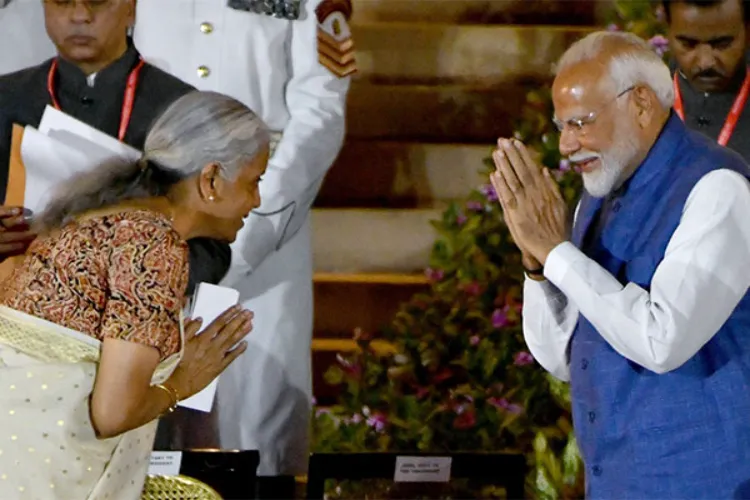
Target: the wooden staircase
pixel 438 82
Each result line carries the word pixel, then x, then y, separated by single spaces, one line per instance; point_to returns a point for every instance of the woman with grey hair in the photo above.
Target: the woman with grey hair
pixel 92 345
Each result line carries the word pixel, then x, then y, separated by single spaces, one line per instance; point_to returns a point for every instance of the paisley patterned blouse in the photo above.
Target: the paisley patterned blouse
pixel 117 276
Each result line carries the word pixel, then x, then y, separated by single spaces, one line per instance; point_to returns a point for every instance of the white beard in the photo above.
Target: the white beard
pixel 612 163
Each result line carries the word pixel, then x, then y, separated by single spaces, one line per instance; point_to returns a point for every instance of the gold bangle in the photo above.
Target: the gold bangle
pixel 173 396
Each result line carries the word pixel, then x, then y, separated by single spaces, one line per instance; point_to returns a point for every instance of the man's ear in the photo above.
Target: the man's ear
pixel 208 182
pixel 644 100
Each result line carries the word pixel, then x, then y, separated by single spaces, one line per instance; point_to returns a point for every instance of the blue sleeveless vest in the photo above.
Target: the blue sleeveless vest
pixel 683 434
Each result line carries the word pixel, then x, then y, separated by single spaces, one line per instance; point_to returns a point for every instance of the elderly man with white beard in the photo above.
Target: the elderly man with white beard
pixel 643 305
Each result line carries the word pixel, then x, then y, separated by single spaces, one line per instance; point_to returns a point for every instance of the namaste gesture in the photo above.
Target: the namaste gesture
pixel 535 211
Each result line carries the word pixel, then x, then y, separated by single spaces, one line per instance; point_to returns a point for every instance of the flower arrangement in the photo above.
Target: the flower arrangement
pixel 460 377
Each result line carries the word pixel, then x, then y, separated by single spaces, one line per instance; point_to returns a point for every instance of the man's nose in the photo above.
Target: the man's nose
pixel 569 143
pixel 705 57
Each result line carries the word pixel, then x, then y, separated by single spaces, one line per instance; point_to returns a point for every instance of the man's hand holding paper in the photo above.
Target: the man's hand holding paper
pixel 15 234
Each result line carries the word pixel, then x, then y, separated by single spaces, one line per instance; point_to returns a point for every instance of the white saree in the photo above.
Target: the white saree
pixel 48 449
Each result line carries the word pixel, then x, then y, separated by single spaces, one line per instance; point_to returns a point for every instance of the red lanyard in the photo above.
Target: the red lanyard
pixel 734 113
pixel 127 101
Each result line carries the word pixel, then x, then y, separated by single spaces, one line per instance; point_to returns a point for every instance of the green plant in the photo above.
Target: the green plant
pixel 460 377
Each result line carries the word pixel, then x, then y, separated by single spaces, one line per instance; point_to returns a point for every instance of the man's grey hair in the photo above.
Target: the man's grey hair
pixel 198 129
pixel 634 62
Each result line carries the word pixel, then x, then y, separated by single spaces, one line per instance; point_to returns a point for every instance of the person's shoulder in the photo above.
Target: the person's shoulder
pixel 139 228
pixel 166 84
pixel 23 79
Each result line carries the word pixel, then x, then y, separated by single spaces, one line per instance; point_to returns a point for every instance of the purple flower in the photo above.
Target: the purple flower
pixel 613 27
pixel 314 401
pixel 499 318
pixel 474 206
pixel 356 418
pixel 322 411
pixel 461 219
pixel 474 340
pixel 377 421
pixel 660 44
pixel 503 404
pixel 434 275
pixel 489 192
pixel 523 358
pixel 564 165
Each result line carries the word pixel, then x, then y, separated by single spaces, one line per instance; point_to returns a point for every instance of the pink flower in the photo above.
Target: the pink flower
pixel 377 421
pixel 660 44
pixel 356 418
pixel 473 289
pixel 349 368
pixel 503 404
pixel 613 27
pixel 474 206
pixel 474 340
pixel 434 275
pixel 523 358
pixel 499 318
pixel 564 165
pixel 461 219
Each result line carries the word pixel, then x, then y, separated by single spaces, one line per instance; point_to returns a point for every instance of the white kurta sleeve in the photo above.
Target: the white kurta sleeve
pixel 310 142
pixel 549 319
pixel 703 276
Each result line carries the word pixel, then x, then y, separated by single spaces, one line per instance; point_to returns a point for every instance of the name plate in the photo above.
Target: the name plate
pixel 165 463
pixel 423 469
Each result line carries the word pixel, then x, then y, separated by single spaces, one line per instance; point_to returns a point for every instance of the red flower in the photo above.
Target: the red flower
pixel 466 418
pixel 442 376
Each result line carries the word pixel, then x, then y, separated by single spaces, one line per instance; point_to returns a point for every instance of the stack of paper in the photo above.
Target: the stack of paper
pixel 59 149
pixel 209 302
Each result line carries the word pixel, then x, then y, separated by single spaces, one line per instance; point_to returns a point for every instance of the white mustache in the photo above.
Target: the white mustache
pixel 583 156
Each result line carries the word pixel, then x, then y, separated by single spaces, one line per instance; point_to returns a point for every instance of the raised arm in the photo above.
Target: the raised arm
pixel 703 276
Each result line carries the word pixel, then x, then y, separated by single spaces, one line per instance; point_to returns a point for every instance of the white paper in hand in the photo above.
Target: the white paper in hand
pixel 98 146
pixel 208 303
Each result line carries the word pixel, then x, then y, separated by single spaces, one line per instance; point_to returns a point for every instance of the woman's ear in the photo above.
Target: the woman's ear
pixel 208 182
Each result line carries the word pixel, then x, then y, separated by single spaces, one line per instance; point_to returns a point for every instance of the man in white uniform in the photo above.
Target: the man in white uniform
pixel 23 39
pixel 290 61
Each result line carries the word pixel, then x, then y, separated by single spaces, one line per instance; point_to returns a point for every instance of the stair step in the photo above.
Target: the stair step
pixel 581 12
pixel 445 113
pixel 370 278
pixel 444 53
pixel 402 175
pixel 372 241
pixel 347 345
pixel 342 306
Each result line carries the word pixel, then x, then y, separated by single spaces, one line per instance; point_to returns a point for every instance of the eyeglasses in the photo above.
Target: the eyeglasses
pixel 91 5
pixel 579 125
